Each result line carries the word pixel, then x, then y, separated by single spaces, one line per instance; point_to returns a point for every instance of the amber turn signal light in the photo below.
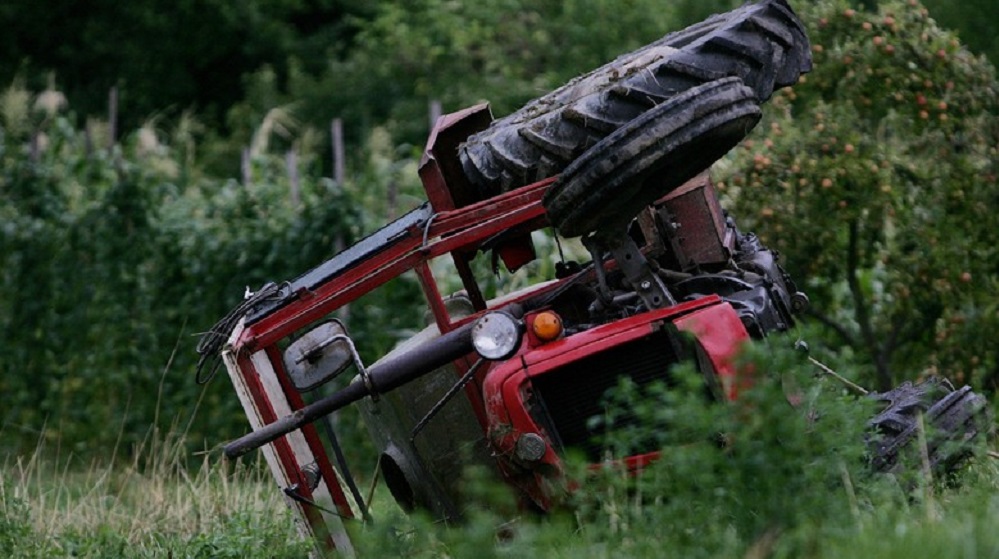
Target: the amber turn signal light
pixel 547 326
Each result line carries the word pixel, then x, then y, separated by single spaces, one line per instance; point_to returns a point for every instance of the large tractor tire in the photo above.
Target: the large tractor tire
pixel 610 183
pixel 764 44
pixel 951 419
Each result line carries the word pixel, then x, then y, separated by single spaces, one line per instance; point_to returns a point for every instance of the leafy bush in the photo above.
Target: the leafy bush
pixel 754 472
pixel 16 538
pixel 113 259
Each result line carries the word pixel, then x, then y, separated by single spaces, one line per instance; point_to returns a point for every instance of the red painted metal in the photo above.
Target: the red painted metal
pixel 703 240
pixel 500 392
pixel 440 158
pixel 632 464
pixel 284 452
pixel 721 334
pixel 506 386
pixel 434 299
pixel 450 231
pixel 603 337
pixel 311 435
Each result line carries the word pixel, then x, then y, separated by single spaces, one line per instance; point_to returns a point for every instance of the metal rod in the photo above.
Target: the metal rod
pixel 443 401
pixel 345 469
pixel 855 388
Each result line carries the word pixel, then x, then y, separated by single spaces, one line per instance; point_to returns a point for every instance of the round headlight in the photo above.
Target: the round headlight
pixel 496 335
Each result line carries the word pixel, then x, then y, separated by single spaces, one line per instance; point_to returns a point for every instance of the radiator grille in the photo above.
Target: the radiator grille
pixel 573 394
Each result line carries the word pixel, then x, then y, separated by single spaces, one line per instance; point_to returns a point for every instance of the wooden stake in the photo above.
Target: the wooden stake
pixel 435 111
pixel 855 388
pixel 291 163
pixel 336 133
pixel 113 117
pixel 246 167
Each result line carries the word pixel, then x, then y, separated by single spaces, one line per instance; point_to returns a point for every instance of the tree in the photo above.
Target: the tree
pixel 875 178
pixel 465 52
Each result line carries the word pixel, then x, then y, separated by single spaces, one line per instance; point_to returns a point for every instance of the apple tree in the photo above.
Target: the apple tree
pixel 875 177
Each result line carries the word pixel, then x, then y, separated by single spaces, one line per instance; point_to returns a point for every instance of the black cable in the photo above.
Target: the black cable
pixel 292 492
pixel 211 343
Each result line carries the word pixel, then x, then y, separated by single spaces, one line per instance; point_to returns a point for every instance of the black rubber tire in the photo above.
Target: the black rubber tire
pixel 762 43
pixel 952 419
pixel 606 186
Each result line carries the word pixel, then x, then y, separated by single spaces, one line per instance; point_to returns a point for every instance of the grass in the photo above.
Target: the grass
pixel 155 506
pixel 780 483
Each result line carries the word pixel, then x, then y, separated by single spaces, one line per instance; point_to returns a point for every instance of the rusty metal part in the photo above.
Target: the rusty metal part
pixel 633 264
pixel 694 225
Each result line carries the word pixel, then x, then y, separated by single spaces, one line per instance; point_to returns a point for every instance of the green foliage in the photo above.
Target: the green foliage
pixel 243 535
pixel 756 477
pixel 15 524
pixel 112 260
pixel 462 53
pixel 959 523
pixel 879 171
pixel 753 478
pixel 166 56
pixel 875 178
pixel 970 19
pixel 371 63
pixel 754 470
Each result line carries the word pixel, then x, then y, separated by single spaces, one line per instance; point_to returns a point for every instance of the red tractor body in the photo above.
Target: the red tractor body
pixel 512 382
pixel 450 407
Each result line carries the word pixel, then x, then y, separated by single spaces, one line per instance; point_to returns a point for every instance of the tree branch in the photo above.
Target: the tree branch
pixel 891 342
pixel 841 331
pixel 861 311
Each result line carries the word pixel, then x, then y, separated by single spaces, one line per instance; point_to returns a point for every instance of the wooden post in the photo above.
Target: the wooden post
pixel 339 178
pixel 291 162
pixel 88 139
pixel 435 112
pixel 246 167
pixel 336 133
pixel 391 199
pixel 35 152
pixel 113 117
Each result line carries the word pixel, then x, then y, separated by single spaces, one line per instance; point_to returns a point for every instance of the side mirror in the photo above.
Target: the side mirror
pixel 320 355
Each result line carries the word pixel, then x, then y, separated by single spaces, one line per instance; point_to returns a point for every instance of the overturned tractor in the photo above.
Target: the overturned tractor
pixel 617 157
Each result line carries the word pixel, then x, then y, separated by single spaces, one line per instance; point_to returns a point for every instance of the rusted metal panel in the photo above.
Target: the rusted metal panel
pixel 440 169
pixel 699 237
